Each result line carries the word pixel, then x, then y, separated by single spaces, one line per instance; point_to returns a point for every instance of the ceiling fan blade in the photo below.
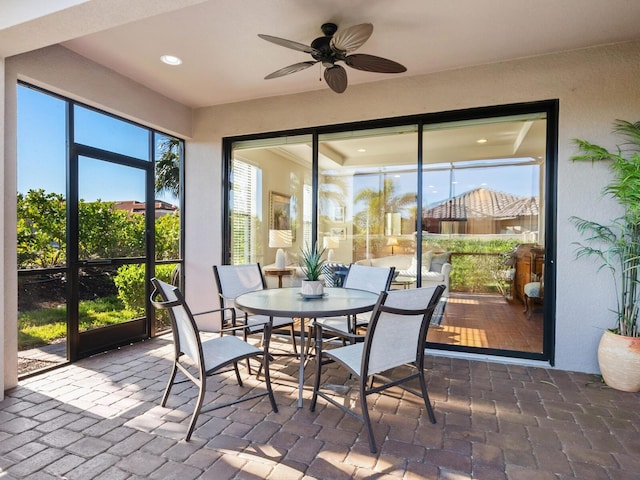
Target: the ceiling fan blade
pixel 296 67
pixel 371 63
pixel 336 78
pixel 301 47
pixel 351 38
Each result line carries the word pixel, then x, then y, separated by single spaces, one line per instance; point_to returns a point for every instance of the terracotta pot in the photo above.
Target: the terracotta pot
pixel 619 360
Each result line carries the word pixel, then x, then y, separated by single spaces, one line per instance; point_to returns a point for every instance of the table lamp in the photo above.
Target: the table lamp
pixel 329 243
pixel 392 242
pixel 280 239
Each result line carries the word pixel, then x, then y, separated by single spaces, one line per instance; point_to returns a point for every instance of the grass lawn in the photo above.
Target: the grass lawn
pixel 41 327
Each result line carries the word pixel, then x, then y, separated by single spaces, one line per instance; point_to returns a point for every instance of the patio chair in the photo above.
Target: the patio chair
pixel 234 280
pixel 533 291
pixel 371 279
pixel 395 337
pixel 206 358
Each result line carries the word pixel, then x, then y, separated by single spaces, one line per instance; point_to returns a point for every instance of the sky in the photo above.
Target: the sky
pixel 42 150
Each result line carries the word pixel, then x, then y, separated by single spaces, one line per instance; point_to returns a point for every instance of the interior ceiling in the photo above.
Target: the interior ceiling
pixel 225 61
pixel 389 148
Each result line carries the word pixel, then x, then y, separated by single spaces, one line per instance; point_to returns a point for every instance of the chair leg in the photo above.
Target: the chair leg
pixel 293 337
pixel 425 397
pixel 267 379
pixel 245 336
pixel 365 414
pixel 172 377
pixel 235 367
pixel 196 411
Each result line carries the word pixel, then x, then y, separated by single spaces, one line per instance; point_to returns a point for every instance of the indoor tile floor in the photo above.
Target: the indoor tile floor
pixel 100 419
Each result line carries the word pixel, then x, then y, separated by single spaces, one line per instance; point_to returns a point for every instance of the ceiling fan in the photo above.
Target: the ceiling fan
pixel 335 47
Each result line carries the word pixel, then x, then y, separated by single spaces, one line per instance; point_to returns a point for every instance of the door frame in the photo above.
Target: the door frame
pixel 83 344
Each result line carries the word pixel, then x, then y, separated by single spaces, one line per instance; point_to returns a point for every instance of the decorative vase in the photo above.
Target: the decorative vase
pixel 312 288
pixel 619 360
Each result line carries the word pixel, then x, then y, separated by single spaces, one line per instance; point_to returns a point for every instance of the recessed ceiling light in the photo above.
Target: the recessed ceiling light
pixel 481 140
pixel 171 60
pixel 362 150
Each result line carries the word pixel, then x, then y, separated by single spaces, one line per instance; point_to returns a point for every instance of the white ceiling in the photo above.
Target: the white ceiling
pixel 225 61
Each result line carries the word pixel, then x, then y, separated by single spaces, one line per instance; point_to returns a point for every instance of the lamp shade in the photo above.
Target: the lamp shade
pixel 392 242
pixel 280 238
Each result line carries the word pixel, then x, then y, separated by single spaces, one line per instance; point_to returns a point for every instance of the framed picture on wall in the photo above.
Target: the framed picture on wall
pixel 339 232
pixel 279 211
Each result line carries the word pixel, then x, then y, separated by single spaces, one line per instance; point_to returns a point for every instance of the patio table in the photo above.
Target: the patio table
pixel 289 302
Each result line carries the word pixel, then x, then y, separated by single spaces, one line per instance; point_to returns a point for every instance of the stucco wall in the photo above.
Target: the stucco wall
pixel 594 87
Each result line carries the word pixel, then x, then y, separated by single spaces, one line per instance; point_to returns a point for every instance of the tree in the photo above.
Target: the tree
pixel 41 229
pixel 168 167
pixel 379 202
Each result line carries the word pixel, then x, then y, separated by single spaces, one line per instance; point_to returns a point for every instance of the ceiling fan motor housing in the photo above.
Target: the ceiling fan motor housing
pixel 325 53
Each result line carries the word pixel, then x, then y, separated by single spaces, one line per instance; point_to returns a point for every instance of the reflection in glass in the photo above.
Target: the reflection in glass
pixel 270 188
pixel 481 220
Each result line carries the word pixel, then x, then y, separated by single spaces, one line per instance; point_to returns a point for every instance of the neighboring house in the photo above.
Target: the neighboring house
pixel 133 206
pixel 483 211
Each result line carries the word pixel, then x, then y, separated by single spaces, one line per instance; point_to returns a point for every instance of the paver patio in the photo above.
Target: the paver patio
pixel 100 418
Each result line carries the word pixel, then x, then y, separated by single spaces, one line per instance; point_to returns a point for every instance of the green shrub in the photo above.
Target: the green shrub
pixel 130 283
pixel 476 264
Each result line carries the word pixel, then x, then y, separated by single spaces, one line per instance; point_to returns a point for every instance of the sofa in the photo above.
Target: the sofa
pixel 436 267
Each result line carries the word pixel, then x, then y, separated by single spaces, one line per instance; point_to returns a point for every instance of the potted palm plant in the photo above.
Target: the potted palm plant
pixel 616 246
pixel 312 261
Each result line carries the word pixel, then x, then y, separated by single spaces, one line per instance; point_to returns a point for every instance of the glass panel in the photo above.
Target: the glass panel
pixel 42 320
pixel 167 186
pixel 41 230
pixel 41 180
pixel 483 207
pixel 111 210
pixel 98 130
pixel 110 295
pixel 270 190
pixel 367 197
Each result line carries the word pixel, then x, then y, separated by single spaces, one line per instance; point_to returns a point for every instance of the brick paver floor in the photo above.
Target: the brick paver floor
pixel 100 419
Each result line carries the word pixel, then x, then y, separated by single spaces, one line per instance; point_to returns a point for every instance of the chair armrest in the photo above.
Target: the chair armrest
pixel 354 337
pixel 233 313
pixel 233 326
pixel 446 269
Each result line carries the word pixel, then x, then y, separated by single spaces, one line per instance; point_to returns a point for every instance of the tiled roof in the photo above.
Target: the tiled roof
pixel 483 202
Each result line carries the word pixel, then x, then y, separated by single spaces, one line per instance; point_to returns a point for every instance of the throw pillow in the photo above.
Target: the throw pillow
pixel 427 258
pixel 412 271
pixel 438 260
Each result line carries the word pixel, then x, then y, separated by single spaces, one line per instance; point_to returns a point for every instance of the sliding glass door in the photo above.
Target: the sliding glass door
pixel 463 199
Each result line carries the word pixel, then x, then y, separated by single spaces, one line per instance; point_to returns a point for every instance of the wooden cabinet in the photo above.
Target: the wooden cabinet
pixel 529 267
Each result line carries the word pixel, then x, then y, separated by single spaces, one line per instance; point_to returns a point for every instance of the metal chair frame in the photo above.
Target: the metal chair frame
pixel 359 352
pixel 208 358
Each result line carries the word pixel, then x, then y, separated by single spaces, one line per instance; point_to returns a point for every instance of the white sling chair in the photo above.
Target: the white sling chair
pixel 197 359
pixel 395 337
